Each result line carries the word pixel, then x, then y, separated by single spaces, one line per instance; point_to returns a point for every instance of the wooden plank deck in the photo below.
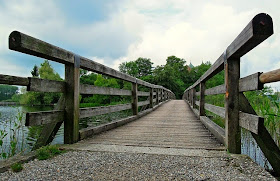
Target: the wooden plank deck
pixel 172 125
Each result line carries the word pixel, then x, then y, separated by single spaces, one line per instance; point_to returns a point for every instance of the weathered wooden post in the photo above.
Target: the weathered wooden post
pixel 135 98
pixel 72 108
pixel 162 98
pixel 202 99
pixel 232 129
pixel 151 97
pixel 193 96
pixel 157 96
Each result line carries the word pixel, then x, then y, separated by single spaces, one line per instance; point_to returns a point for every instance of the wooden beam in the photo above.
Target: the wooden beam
pixel 202 99
pixel 13 80
pixel 151 97
pixel 91 89
pixel 257 30
pixel 44 85
pixel 220 89
pixel 140 93
pixel 220 111
pixel 263 138
pixel 44 117
pixel 72 93
pixel 232 129
pixel 94 111
pixel 250 122
pixel 272 76
pixel 49 130
pixel 134 98
pixel 250 83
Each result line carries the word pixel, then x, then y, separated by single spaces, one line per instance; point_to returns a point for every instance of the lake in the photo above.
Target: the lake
pixel 26 136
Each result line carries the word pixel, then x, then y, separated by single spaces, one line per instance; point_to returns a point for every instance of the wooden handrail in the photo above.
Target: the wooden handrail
pixel 237 111
pixel 68 110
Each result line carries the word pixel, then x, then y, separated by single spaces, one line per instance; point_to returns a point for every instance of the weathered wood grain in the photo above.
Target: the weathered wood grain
pixel 13 80
pixel 91 89
pixel 220 89
pixel 233 131
pixel 271 76
pixel 263 138
pixel 94 111
pixel 250 83
pixel 72 103
pixel 202 99
pixel 141 93
pixel 220 111
pixel 250 122
pixel 134 98
pixel 44 85
pixel 44 117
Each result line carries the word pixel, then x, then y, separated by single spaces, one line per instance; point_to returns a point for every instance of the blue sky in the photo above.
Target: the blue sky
pixel 111 32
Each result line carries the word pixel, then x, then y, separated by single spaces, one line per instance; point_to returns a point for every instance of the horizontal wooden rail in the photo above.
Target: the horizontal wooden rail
pixel 13 80
pixel 140 93
pixel 271 76
pixel 44 117
pixel 143 103
pixel 91 89
pixel 94 111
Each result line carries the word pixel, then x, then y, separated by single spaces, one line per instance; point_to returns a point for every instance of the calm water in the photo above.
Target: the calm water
pixel 26 136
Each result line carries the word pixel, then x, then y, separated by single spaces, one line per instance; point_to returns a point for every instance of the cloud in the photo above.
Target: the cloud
pixel 194 30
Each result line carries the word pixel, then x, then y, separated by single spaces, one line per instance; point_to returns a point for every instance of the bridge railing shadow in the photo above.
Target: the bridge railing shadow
pixel 237 110
pixel 68 109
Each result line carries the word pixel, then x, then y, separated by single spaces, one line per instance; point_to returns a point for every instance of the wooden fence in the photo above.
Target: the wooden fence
pixel 237 111
pixel 68 109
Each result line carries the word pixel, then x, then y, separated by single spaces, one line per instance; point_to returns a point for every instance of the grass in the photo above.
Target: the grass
pixel 47 152
pixel 17 167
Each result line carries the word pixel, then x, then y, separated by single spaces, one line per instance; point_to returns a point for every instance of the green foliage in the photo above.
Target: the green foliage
pixel 47 152
pixel 35 71
pixel 88 78
pixel 38 98
pixel 17 167
pixel 7 91
pixel 138 68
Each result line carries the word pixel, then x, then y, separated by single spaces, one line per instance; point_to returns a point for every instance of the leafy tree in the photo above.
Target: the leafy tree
pixel 7 91
pixel 37 98
pixel 138 68
pixel 35 71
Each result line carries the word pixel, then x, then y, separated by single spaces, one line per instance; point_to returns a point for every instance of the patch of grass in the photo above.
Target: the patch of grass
pixel 17 167
pixel 47 152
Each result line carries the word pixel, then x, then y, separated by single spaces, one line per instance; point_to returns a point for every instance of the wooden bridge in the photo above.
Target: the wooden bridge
pixel 161 121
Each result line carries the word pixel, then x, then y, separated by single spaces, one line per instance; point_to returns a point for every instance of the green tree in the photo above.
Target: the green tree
pixel 38 98
pixel 35 71
pixel 138 68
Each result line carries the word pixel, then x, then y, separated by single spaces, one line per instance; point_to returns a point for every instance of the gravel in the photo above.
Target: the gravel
pixel 85 165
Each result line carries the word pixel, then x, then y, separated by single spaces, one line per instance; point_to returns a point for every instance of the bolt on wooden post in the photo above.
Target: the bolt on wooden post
pixel 72 107
pixel 232 129
pixel 135 98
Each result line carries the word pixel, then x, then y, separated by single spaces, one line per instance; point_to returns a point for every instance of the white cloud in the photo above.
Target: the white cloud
pixel 193 30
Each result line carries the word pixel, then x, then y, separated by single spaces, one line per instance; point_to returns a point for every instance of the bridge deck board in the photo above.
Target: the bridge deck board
pixel 173 125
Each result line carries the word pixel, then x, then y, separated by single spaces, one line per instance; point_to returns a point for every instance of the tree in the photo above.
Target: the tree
pixel 35 71
pixel 138 68
pixel 37 98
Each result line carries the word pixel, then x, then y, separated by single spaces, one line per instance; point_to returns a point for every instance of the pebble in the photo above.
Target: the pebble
pixel 85 165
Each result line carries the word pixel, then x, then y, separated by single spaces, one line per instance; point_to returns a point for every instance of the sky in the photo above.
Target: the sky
pixel 111 32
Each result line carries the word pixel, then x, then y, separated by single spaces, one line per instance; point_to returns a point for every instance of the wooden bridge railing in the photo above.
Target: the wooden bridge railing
pixel 67 109
pixel 238 111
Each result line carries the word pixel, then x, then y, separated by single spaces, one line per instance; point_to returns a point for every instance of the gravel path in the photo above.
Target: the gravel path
pixel 85 165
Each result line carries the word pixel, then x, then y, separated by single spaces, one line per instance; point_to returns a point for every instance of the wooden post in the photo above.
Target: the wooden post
pixel 134 98
pixel 72 108
pixel 151 97
pixel 232 129
pixel 162 95
pixel 202 99
pixel 193 97
pixel 157 96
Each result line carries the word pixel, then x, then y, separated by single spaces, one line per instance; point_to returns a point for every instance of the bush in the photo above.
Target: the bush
pixel 17 167
pixel 48 152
